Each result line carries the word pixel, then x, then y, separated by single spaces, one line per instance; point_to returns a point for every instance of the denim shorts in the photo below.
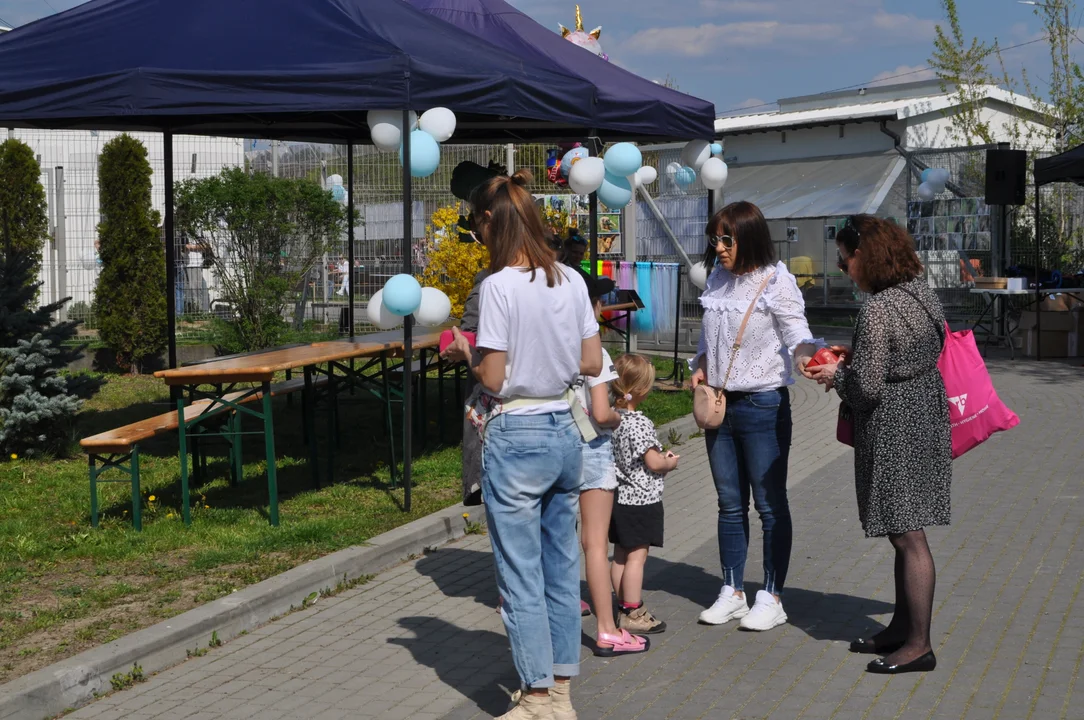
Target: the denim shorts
pixel 598 465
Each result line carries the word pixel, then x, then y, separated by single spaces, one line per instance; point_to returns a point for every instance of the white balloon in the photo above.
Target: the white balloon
pixel 379 315
pixel 434 309
pixel 939 177
pixel 386 136
pixel 926 191
pixel 695 154
pixel 698 275
pixel 386 128
pixel 438 122
pixel 586 175
pixel 714 173
pixel 647 175
pixel 333 180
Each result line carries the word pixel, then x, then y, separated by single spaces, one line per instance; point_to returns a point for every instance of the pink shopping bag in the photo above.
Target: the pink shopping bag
pixel 975 410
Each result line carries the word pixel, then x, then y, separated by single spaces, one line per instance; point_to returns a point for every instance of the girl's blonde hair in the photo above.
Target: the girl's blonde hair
pixel 635 377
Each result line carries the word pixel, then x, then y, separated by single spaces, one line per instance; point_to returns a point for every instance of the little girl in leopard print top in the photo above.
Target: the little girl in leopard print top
pixel 637 520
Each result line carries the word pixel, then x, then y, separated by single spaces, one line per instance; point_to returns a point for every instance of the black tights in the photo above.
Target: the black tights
pixel 915 580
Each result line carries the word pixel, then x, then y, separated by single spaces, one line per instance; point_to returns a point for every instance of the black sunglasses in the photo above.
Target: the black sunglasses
pixel 725 240
pixel 849 225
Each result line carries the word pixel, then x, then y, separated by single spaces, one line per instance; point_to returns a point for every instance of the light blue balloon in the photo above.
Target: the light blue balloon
pixel 716 149
pixel 402 295
pixel 566 161
pixel 615 192
pixel 685 177
pixel 925 176
pixel 424 155
pixel 623 159
pixel 338 192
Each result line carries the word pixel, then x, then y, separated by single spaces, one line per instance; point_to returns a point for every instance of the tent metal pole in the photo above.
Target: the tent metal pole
pixel 408 350
pixel 170 248
pixel 1038 272
pixel 350 236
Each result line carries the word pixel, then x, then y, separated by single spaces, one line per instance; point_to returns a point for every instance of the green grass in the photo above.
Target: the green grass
pixel 65 587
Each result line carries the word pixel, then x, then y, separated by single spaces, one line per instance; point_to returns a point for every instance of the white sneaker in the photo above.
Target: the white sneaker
pixel 728 607
pixel 766 613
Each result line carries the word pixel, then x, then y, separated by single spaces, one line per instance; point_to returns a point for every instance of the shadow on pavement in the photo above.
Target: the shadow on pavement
pixel 833 616
pixel 477 663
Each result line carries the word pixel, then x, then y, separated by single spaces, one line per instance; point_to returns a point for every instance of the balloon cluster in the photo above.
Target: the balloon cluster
pixel 402 295
pixel 613 177
pixel 699 157
pixel 933 183
pixel 426 134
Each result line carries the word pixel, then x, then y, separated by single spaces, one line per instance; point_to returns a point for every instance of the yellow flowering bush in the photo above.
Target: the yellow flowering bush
pixel 450 264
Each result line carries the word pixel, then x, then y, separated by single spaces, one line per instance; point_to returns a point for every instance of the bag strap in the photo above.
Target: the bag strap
pixel 941 330
pixel 741 329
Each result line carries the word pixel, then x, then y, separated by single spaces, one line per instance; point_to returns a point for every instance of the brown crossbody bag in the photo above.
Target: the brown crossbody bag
pixel 709 404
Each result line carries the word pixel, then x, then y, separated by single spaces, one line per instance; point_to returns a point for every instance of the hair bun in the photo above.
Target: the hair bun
pixel 523 177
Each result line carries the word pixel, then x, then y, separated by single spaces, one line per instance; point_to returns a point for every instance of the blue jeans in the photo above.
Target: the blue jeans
pixel 748 455
pixel 531 468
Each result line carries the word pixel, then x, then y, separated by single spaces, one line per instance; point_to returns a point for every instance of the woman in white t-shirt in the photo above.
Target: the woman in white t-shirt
pixel 537 333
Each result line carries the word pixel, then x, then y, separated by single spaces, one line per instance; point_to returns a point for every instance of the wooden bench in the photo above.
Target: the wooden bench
pixel 119 448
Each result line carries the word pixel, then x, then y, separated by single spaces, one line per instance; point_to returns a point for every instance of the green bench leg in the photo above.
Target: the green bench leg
pixel 133 478
pixel 93 492
pixel 137 503
pixel 182 453
pixel 269 445
pixel 237 469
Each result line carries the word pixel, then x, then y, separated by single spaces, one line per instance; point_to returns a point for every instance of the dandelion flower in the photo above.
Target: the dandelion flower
pixel 466 516
pixel 14 456
pixel 169 516
pixel 152 498
pixel 207 506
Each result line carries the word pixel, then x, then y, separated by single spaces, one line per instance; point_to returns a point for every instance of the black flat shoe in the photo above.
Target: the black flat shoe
pixel 924 663
pixel 869 647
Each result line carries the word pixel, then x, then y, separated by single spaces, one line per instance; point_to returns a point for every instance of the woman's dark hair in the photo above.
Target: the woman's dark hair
pixel 514 230
pixel 888 252
pixel 744 222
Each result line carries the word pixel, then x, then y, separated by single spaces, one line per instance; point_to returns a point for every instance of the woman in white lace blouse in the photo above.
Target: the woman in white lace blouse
pixel 748 453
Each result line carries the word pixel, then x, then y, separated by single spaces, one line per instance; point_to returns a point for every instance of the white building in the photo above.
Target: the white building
pixel 70 266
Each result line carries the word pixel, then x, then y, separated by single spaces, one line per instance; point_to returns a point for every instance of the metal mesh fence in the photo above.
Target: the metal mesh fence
pixel 71 264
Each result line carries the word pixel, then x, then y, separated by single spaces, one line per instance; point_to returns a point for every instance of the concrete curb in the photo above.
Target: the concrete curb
pixel 75 681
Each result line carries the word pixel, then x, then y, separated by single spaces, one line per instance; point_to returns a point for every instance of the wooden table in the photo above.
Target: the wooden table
pixel 222 377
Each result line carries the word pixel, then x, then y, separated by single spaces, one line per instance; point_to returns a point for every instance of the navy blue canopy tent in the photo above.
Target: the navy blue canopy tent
pixel 303 71
pixel 625 100
pixel 311 70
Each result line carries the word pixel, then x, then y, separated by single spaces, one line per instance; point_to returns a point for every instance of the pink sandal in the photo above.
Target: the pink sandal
pixel 621 644
pixel 585 609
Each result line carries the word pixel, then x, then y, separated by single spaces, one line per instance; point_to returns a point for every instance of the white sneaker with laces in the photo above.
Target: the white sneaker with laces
pixel 766 613
pixel 728 607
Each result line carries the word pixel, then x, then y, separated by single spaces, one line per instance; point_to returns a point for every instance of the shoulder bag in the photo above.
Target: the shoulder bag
pixel 709 403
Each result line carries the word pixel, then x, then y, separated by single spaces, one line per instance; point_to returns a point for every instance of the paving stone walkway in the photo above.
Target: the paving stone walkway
pixel 423 641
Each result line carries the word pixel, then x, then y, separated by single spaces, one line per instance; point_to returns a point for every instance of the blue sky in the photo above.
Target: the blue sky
pixel 741 53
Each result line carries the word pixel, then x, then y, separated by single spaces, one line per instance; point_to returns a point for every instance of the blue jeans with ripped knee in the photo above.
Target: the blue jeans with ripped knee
pixel 748 457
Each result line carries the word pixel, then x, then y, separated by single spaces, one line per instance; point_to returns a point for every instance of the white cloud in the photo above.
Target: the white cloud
pixel 709 39
pixel 751 102
pixel 904 74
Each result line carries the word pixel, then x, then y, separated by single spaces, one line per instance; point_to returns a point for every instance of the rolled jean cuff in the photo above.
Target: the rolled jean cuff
pixel 570 670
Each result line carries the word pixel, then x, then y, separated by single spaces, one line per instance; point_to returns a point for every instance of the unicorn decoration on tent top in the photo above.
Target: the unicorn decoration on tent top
pixel 586 40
